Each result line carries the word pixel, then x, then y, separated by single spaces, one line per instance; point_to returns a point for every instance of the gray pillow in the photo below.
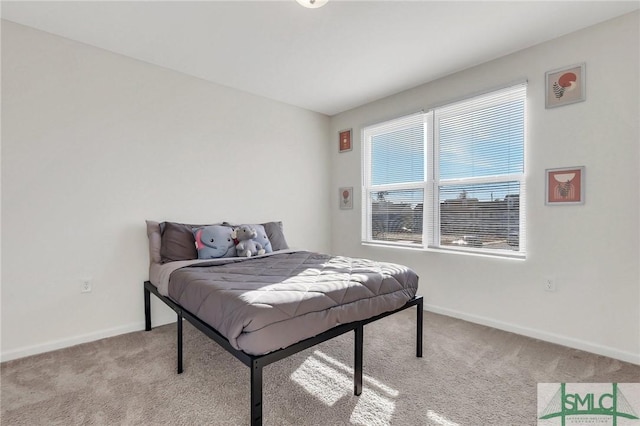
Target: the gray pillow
pixel 276 235
pixel 155 241
pixel 177 242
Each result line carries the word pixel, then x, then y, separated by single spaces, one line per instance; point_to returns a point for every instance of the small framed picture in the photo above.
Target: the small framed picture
pixel 565 86
pixel 346 198
pixel 345 140
pixel 565 186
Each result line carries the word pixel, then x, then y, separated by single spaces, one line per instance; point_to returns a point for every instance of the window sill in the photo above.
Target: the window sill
pixel 457 251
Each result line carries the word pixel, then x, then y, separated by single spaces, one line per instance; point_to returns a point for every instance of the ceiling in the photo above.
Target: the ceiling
pixel 328 60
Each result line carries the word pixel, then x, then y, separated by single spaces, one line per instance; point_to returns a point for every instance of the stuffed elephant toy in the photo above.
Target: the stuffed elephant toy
pixel 247 246
pixel 214 241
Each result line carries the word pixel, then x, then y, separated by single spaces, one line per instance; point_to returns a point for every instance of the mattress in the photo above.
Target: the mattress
pixel 273 301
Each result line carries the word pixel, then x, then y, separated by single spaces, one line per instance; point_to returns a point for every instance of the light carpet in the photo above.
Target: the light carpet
pixel 469 375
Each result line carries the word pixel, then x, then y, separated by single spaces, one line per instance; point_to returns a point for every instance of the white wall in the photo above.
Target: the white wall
pixel 94 143
pixel 591 249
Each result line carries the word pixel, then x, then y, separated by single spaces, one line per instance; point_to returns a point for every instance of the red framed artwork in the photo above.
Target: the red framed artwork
pixel 565 86
pixel 346 197
pixel 565 186
pixel 345 140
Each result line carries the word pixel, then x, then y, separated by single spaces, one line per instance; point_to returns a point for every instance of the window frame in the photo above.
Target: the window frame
pixel 432 184
pixel 368 188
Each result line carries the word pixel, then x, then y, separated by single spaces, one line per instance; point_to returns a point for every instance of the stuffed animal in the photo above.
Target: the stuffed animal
pixel 247 246
pixel 262 238
pixel 214 241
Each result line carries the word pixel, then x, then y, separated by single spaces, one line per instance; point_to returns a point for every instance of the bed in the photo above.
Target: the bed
pixel 264 308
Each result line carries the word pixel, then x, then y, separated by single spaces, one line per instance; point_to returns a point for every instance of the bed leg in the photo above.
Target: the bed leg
pixel 357 371
pixel 420 317
pixel 180 343
pixel 147 310
pixel 256 393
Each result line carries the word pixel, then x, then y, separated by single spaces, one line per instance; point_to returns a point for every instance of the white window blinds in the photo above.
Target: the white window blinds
pixel 394 181
pixel 479 172
pixel 451 178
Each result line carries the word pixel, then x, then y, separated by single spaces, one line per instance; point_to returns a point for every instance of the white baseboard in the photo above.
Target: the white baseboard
pixel 529 332
pixel 75 340
pixel 539 334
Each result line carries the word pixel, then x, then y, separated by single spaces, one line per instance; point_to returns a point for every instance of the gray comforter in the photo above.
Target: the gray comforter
pixel 267 303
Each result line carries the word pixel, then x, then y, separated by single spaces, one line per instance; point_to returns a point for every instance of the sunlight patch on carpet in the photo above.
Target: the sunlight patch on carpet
pixel 322 381
pixel 367 379
pixel 372 409
pixel 329 380
pixel 440 419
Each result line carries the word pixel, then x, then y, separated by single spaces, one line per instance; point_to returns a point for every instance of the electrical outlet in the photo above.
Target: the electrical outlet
pixel 85 285
pixel 550 284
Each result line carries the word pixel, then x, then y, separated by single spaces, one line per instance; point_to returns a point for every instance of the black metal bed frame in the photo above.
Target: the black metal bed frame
pixel 257 362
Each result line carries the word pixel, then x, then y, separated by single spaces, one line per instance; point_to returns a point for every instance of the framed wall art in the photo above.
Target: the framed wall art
pixel 565 86
pixel 346 198
pixel 565 186
pixel 345 140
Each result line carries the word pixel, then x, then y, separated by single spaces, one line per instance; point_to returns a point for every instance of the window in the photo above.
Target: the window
pixel 394 181
pixel 464 162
